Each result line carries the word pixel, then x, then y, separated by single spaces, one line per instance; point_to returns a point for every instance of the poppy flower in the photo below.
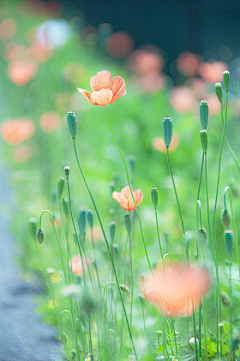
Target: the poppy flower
pixel 104 92
pixel 76 264
pixel 175 289
pixel 125 198
pixel 212 72
pixel 49 122
pixel 16 131
pixel 21 72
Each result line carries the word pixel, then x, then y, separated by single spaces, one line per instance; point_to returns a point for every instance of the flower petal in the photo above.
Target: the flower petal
pixel 138 196
pixel 118 88
pixel 102 80
pixel 116 196
pixel 87 95
pixel 101 97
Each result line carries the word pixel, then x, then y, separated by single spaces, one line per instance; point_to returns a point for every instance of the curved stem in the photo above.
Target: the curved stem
pixel 108 248
pixel 130 188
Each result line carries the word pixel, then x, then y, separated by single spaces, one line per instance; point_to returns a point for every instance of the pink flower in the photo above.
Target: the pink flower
pixel 182 99
pixel 49 122
pixel 212 72
pixel 76 264
pixel 16 131
pixel 104 92
pixel 175 289
pixel 125 198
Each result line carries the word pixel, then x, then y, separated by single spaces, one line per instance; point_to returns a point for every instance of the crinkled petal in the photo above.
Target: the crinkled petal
pixel 116 196
pixel 126 192
pixel 102 80
pixel 118 88
pixel 102 97
pixel 87 95
pixel 138 196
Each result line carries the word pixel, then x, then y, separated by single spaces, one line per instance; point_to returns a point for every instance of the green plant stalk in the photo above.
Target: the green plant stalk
pixel 195 335
pixel 229 146
pixel 200 177
pixel 228 190
pixel 124 282
pixel 64 273
pixel 158 233
pixel 130 188
pixel 75 231
pixel 108 248
pixel 230 296
pixel 174 336
pixel 215 257
pixel 205 330
pixel 132 283
pixel 175 190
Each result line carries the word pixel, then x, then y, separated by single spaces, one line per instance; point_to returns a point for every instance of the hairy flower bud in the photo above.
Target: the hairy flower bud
pixel 167 130
pixel 71 119
pixel 40 235
pixel 225 219
pixel 203 110
pixel 154 196
pixel 218 90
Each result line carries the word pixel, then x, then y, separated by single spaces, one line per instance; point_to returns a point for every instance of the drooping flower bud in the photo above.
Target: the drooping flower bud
pixel 228 235
pixel 218 90
pixel 116 251
pixel 63 338
pixel 90 218
pixel 128 224
pixel 226 79
pixel 33 226
pixel 60 186
pixel 71 119
pixel 65 205
pixel 66 170
pixel 40 235
pixel 112 227
pixel 203 110
pixel 226 301
pixel 124 288
pixel 167 130
pixel 154 195
pixel 202 236
pixel 204 140
pixel 225 219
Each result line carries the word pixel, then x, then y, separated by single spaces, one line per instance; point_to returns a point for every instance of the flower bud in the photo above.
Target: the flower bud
pixel 226 301
pixel 40 235
pixel 82 222
pixel 226 79
pixel 167 130
pixel 154 195
pixel 65 205
pixel 204 140
pixel 63 338
pixel 116 251
pixel 228 235
pixel 202 236
pixel 132 161
pixel 33 226
pixel 124 288
pixel 225 218
pixel 90 218
pixel 112 227
pixel 60 186
pixel 87 301
pixel 66 170
pixel 218 90
pixel 71 119
pixel 128 224
pixel 203 110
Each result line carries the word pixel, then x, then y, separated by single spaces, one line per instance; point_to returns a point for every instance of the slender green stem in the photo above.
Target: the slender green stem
pixel 200 176
pixel 131 271
pixel 205 330
pixel 175 337
pixel 108 249
pixel 158 233
pixel 130 188
pixel 230 296
pixel 195 335
pixel 175 190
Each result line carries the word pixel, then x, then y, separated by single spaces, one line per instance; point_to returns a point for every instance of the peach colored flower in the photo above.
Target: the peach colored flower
pixel 212 72
pixel 119 44
pixel 182 99
pixel 125 198
pixel 175 289
pixel 76 264
pixel 146 61
pixel 23 153
pixel 104 92
pixel 21 72
pixel 8 28
pixel 159 144
pixel 16 131
pixel 49 122
pixel 188 63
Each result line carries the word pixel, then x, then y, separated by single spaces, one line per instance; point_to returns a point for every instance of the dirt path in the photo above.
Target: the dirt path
pixel 22 336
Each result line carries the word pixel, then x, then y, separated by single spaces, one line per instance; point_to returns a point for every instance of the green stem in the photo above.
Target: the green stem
pixel 195 335
pixel 200 176
pixel 108 249
pixel 205 330
pixel 158 233
pixel 130 188
pixel 175 190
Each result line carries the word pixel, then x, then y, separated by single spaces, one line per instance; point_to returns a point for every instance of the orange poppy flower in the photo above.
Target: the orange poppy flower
pixel 125 198
pixel 76 264
pixel 49 122
pixel 212 72
pixel 21 72
pixel 16 131
pixel 175 289
pixel 104 92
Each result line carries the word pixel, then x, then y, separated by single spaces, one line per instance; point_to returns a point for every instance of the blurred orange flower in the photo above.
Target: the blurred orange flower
pixel 125 198
pixel 8 28
pixel 104 92
pixel 21 72
pixel 159 144
pixel 212 72
pixel 188 63
pixel 182 99
pixel 76 264
pixel 146 61
pixel 175 289
pixel 16 131
pixel 49 122
pixel 23 153
pixel 119 44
